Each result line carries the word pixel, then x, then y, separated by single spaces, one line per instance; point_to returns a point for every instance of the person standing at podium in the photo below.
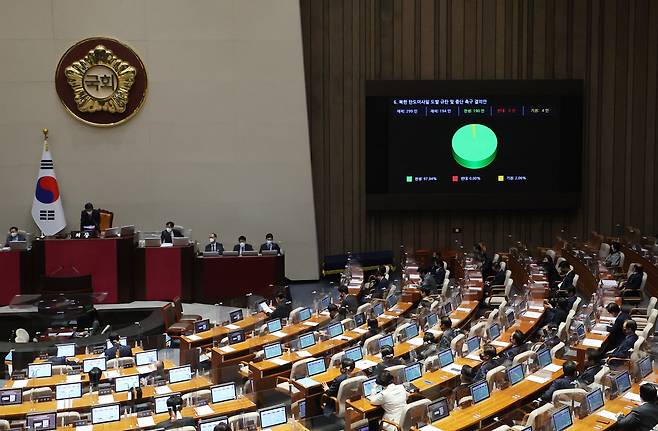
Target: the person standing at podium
pixel 269 244
pixel 242 245
pixel 169 233
pixel 14 236
pixel 213 245
pixel 90 218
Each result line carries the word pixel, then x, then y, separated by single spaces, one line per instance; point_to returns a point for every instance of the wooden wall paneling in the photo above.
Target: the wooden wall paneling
pixel 651 161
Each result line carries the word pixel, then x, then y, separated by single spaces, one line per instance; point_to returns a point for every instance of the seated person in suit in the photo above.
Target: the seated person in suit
pixel 242 245
pixel 489 361
pixel 616 330
pixel 556 310
pixel 480 255
pixel 430 346
pixel 448 333
pixel 466 379
pixel 388 359
pixel 552 275
pixel 643 417
pixel 634 280
pixel 282 308
pixel 438 269
pixel 269 244
pixel 117 350
pixel 373 328
pixel 614 258
pixel 331 389
pixel 349 302
pixel 499 275
pixel 549 338
pixel 167 235
pixel 518 346
pixel 427 281
pixel 176 419
pixel 593 365
pixel 567 275
pixel 625 348
pixel 14 235
pixel 221 427
pixel 381 284
pixel 570 370
pixel 213 245
pixel 90 219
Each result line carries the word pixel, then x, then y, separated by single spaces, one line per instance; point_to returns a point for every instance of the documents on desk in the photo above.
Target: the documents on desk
pixel 364 364
pixel 307 382
pixel 193 337
pixel 16 384
pixel 204 410
pixel 387 316
pixel 430 428
pixel 75 378
pixel 537 379
pixel 231 326
pixel 462 309
pixel 106 399
pixel 143 422
pixel 499 343
pixel 532 315
pixel 552 368
pixel 279 361
pixel 161 390
pixel 226 349
pixel 599 332
pixel 633 397
pixel 311 323
pixel 84 428
pixel 592 342
pixel 303 354
pixel 279 334
pixel 415 341
pixel 453 368
pixel 112 374
pixel 145 369
pixel 360 330
pixel 607 414
pixel 474 356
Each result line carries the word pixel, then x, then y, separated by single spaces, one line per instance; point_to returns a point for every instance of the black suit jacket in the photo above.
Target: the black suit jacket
pixel 563 382
pixel 499 278
pixel 282 311
pixel 587 377
pixel 88 220
pixel 335 384
pixel 634 281
pixel 641 418
pixel 380 289
pixel 219 247
pixel 624 349
pixel 179 423
pixel 617 331
pixel 264 246
pixel 567 282
pixel 351 303
pixel 124 352
pixel 166 236
pixel 10 238
pixel 439 274
pixel 247 247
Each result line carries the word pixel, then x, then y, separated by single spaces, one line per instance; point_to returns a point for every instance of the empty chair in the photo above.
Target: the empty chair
pixel 294 315
pixel 601 374
pixel 457 344
pixel 371 345
pixel 558 350
pixel 567 397
pixel 22 336
pixel 499 294
pixel 36 393
pixel 397 371
pixel 62 369
pixel 493 316
pixel 646 331
pixel 67 418
pixel 503 265
pixel 348 389
pixel 430 363
pixel 180 317
pixel 640 315
pixel 298 371
pixel 172 326
pixel 193 398
pixel 120 362
pixel 243 421
pixel 336 358
pixel 479 329
pixel 604 250
pixel 523 357
pixel 364 308
pixel 412 414
pixel 495 377
pixel 4 425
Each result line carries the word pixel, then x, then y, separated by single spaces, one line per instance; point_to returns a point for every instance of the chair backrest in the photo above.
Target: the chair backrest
pixel 495 258
pixel 397 371
pixel 364 308
pixel 551 253
pixel 298 369
pixel 348 389
pixel 575 280
pixel 523 357
pixel 566 397
pixel 430 363
pixel 465 402
pixel 192 398
pixel 371 345
pixel 652 316
pixel 508 287
pixel 107 218
pixel 67 418
pixel 558 262
pixel 22 336
pixel 398 334
pixel 336 358
pixel 495 375
pixel 503 265
pixel 4 425
pixel 622 257
pixel 637 353
pixel 558 350
pixel 599 376
pixel 644 281
pixel 652 304
pixel 348 324
pixel 444 287
pixel 294 315
pixel 61 369
pixel 178 307
pixel 631 269
pixel 413 414
pixel 36 393
pixel 562 331
pixel 576 305
pixel 539 417
pixel 478 329
pixel 168 315
pixel 457 343
pixel 493 315
pixel 604 250
pixel 508 274
pixel 239 422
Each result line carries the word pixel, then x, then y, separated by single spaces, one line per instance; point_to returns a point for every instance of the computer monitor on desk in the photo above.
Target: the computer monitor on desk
pixel 269 252
pixel 128 230
pixel 180 241
pixel 10 397
pixel 41 421
pixel 562 419
pixel 18 245
pixel 113 232
pixel 250 253
pixel 230 253
pixel 479 391
pixel 235 316
pixel 210 424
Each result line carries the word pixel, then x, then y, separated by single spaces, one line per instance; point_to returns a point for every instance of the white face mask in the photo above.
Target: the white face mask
pixel 269 241
pixel 14 234
pixel 211 239
pixel 89 212
pixel 168 229
pixel 241 244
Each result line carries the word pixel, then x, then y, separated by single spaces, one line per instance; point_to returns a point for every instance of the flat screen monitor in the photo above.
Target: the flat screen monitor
pixel 41 421
pixel 544 358
pixel 411 331
pixel 335 330
pixel 161 403
pixel 201 325
pixel 65 350
pixel 274 325
pixel 359 319
pixel 438 409
pixel 105 414
pixel 273 416
pixel 391 301
pixel 562 419
pixel 210 424
pixel 306 340
pixel 412 372
pixel 125 383
pixel 472 344
pixel 515 374
pixel 273 350
pixel 67 391
pixel 509 317
pixel 645 366
pixel 304 314
pixel 370 387
pixel 494 331
pixel 316 366
pixel 122 340
pixel 432 320
pixel 623 382
pixel 580 330
pixel 386 340
pixel 235 316
pixel 447 308
pixel 594 400
pixel 479 391
pixel 302 408
pixel 41 369
pixel 235 337
pixel 324 303
pixel 354 353
pixel 224 392
pixel 10 397
pixel 180 374
pixel 146 357
pixel 100 363
pixel 446 358
pixel 378 309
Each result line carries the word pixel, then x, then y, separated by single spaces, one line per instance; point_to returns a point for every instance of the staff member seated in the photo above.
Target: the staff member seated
pixel 593 365
pixel 634 280
pixel 614 258
pixel 643 417
pixel 448 333
pixel 167 235
pixel 428 283
pixel 331 389
pixel 393 399
pixel 117 350
pixel 176 420
pixel 90 219
pixel 349 302
pixel 14 235
pixel 570 370
pixel 518 346
pixel 489 361
pixel 430 346
pixel 242 245
pixel 269 244
pixel 466 379
pixel 388 360
pixel 213 245
pixel 283 307
pixel 617 329
pixel 623 351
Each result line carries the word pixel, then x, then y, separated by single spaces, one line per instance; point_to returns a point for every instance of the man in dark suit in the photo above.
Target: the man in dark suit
pixel 634 280
pixel 242 245
pixel 213 245
pixel 448 333
pixel 518 346
pixel 570 370
pixel 617 329
pixel 283 307
pixel 269 244
pixel 489 361
pixel 499 275
pixel 567 275
pixel 90 218
pixel 14 235
pixel 593 365
pixel 388 359
pixel 176 420
pixel 167 235
pixel 123 351
pixel 643 417
pixel 624 349
pixel 380 287
pixel 438 271
pixel 347 301
pixel 331 389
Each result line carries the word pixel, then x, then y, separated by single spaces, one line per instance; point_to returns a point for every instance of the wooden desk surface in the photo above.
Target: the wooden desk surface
pixel 498 402
pixel 87 400
pixel 206 337
pixel 84 377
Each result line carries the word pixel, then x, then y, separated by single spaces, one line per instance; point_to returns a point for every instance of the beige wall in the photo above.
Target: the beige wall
pixel 221 143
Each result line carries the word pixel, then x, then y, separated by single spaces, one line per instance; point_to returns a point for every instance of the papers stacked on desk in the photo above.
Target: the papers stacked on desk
pixel 226 349
pixel 415 341
pixel 112 374
pixel 231 326
pixel 193 337
pixel 311 323
pixel 279 334
pixel 303 354
pixel 499 343
pixel 360 330
pixel 537 379
pixel 532 315
pixel 464 310
pixel 364 364
pixel 204 410
pixel 592 342
pixel 633 397
pixel 145 369
pixel 552 368
pixel 453 369
pixel 474 356
pixel 144 422
pixel 75 378
pixel 607 414
pixel 279 361
pixel 387 316
pixel 307 382
pixel 161 390
pixel 16 384
pixel 430 428
pixel 106 399
pixel 609 283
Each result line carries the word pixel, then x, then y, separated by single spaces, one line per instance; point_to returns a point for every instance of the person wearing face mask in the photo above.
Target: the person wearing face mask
pixel 213 245
pixel 13 236
pixel 242 245
pixel 167 235
pixel 489 361
pixel 269 244
pixel 90 219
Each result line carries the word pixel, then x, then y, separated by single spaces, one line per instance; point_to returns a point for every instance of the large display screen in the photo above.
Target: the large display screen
pixel 473 144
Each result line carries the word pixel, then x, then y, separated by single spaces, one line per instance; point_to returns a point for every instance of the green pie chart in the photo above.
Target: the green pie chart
pixel 474 146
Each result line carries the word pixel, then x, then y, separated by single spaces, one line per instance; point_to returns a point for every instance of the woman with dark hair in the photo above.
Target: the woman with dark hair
pixel 392 398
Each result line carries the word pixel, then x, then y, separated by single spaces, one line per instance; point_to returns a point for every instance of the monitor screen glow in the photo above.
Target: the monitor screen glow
pixel 316 367
pixel 274 325
pixel 235 316
pixel 446 358
pixel 88 364
pixel 104 414
pixel 273 350
pixel 273 416
pixel 354 353
pixel 42 369
pixel 479 391
pixel 562 419
pixel 180 374
pixel 147 357
pixel 306 340
pixel 125 383
pixel 223 392
pixel 68 390
pixel 65 350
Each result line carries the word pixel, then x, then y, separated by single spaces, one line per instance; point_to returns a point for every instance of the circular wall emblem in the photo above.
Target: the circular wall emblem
pixel 101 82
